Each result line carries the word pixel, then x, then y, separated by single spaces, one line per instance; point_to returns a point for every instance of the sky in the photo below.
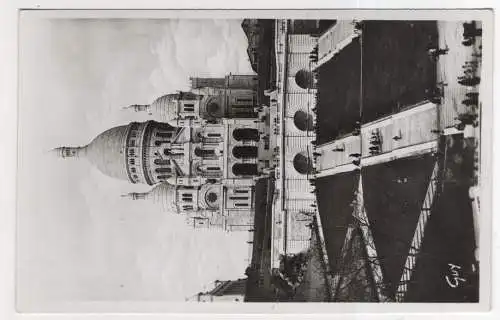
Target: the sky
pixel 77 239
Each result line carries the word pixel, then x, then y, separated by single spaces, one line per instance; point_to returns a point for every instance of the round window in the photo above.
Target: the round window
pixel 303 121
pixel 304 79
pixel 302 163
pixel 212 197
pixel 213 108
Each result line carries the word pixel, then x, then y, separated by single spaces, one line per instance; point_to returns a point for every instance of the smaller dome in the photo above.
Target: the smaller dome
pixel 164 194
pixel 166 107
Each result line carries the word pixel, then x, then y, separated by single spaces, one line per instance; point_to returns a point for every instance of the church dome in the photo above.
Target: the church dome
pixel 164 194
pixel 129 152
pixel 166 107
pixel 106 152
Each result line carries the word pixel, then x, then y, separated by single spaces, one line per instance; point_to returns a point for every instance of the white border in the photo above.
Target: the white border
pixel 8 96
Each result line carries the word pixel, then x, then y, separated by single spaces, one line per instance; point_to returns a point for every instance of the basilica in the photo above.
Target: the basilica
pixel 202 151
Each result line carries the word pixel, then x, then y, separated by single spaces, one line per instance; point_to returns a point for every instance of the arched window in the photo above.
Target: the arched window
pixel 204 152
pixel 245 152
pixel 214 109
pixel 241 191
pixel 162 162
pixel 163 170
pixel 213 135
pixel 189 107
pixel 304 79
pixel 238 198
pixel 246 134
pixel 164 134
pixel 245 169
pixel 241 204
pixel 247 101
pixel 302 163
pixel 239 111
pixel 303 121
pixel 160 142
pixel 209 171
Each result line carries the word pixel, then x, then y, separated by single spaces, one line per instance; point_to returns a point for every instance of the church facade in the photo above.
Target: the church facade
pixel 202 151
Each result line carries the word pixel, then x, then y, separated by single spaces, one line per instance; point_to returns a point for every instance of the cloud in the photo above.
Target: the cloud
pixel 198 48
pixel 91 69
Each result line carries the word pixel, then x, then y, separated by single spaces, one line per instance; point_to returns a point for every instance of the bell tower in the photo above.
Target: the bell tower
pixel 234 96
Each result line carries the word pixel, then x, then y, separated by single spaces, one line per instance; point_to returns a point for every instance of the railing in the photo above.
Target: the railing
pixel 277 221
pixel 400 133
pixel 425 213
pixel 335 39
pixel 338 153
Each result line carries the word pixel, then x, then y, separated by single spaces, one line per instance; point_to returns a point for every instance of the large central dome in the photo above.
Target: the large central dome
pixel 137 152
pixel 106 152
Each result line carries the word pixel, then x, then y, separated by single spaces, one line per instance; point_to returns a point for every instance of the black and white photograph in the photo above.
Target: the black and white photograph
pixel 204 160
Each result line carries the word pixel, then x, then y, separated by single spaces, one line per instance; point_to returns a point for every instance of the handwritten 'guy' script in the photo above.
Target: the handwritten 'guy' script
pixel 454 279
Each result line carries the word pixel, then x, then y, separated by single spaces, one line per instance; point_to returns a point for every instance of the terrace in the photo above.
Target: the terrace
pixel 380 73
pixel 379 88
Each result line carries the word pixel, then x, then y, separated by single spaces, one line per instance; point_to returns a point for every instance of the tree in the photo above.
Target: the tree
pixel 293 266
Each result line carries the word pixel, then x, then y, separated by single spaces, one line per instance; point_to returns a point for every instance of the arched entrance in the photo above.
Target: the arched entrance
pixel 249 134
pixel 245 152
pixel 245 169
pixel 204 153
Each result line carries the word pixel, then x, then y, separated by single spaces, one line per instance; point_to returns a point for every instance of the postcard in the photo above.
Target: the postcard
pixel 189 161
